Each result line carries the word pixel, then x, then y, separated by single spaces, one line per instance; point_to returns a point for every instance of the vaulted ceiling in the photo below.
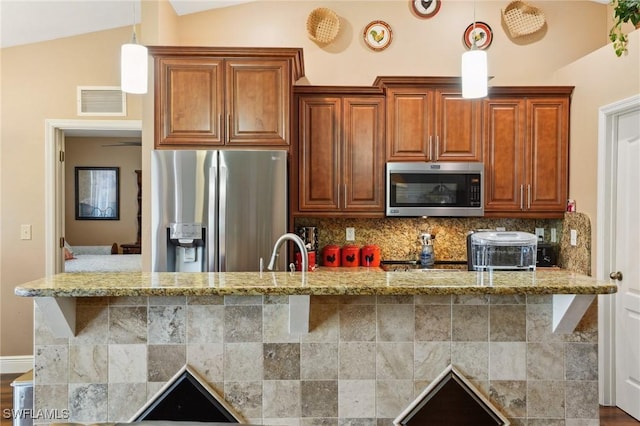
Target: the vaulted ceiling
pixel 24 21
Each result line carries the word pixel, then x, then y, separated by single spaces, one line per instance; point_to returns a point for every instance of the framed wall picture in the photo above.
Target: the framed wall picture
pixel 97 193
pixel 377 35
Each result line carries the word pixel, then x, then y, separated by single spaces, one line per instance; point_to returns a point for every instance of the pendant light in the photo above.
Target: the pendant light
pixel 133 64
pixel 474 67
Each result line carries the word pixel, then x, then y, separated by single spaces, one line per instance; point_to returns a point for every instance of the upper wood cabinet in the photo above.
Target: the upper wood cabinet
pixel 340 154
pixel 428 120
pixel 458 127
pixel 526 152
pixel 224 96
pixel 189 101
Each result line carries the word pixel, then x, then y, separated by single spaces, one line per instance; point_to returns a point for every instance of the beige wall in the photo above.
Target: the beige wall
pixel 419 46
pixel 600 79
pixel 92 152
pixel 39 81
pixel 160 28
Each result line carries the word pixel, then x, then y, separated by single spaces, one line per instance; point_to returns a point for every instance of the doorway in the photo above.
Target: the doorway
pixel 55 131
pixel 618 236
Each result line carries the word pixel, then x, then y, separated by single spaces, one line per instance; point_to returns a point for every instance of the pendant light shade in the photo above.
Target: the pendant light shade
pixel 133 68
pixel 474 67
pixel 474 73
pixel 133 64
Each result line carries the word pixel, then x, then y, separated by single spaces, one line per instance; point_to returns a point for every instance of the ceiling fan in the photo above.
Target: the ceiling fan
pixel 124 143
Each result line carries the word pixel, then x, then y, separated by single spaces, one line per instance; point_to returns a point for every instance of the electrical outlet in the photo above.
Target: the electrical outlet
pixel 351 234
pixel 574 237
pixel 554 236
pixel 540 233
pixel 25 232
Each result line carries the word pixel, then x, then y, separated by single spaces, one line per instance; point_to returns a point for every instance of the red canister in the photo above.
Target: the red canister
pixel 350 255
pixel 311 257
pixel 370 256
pixel 331 255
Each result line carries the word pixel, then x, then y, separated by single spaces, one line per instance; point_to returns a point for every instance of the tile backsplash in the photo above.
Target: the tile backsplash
pixel 398 238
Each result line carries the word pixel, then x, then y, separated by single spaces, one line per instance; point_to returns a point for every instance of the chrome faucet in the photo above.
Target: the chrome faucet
pixel 296 239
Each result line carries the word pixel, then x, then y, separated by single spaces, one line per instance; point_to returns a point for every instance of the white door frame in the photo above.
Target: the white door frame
pixel 52 127
pixel 605 237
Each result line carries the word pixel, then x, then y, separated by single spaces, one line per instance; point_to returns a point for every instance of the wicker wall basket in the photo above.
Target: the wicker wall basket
pixel 323 25
pixel 522 19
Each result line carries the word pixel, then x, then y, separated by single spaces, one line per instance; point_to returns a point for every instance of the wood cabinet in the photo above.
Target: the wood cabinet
pixel 526 149
pixel 428 120
pixel 224 96
pixel 136 248
pixel 458 127
pixel 340 154
pixel 520 134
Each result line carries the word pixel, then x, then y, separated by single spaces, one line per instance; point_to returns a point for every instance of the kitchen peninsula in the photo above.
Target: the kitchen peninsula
pixel 375 340
pixel 325 282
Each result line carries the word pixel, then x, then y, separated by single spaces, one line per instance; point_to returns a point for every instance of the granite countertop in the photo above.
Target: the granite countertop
pixel 326 281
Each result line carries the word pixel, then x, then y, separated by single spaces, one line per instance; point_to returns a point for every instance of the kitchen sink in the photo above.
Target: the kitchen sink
pixel 414 266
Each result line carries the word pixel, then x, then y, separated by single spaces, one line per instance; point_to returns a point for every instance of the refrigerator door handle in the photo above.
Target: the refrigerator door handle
pixel 211 219
pixel 222 216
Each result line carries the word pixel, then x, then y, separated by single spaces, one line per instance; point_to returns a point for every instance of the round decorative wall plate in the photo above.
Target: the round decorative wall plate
pixel 377 35
pixel 425 8
pixel 482 34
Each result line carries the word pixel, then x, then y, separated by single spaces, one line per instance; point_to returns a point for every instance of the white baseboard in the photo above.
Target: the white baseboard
pixel 16 364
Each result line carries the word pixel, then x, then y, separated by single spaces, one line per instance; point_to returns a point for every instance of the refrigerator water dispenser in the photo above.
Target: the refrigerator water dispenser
pixel 185 248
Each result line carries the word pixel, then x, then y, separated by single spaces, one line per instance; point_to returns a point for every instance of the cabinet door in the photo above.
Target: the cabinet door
pixel 363 154
pixel 319 153
pixel 458 134
pixel 410 126
pixel 504 137
pixel 189 101
pixel 547 154
pixel 257 102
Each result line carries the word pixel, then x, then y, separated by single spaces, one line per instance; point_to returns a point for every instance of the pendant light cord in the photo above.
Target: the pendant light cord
pixel 133 37
pixel 474 15
pixel 473 30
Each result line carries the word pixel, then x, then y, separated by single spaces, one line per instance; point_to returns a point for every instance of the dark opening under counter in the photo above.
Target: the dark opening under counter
pixel 572 293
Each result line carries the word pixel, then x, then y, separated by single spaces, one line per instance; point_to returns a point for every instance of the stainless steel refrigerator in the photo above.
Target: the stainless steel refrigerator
pixel 217 210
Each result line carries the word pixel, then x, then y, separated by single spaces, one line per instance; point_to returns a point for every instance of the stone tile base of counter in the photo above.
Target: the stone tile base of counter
pixel 364 360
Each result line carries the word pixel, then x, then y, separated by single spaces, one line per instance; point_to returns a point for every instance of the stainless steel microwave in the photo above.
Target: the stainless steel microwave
pixel 434 189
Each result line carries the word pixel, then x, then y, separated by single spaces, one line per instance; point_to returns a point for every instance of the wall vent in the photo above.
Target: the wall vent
pixel 101 101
